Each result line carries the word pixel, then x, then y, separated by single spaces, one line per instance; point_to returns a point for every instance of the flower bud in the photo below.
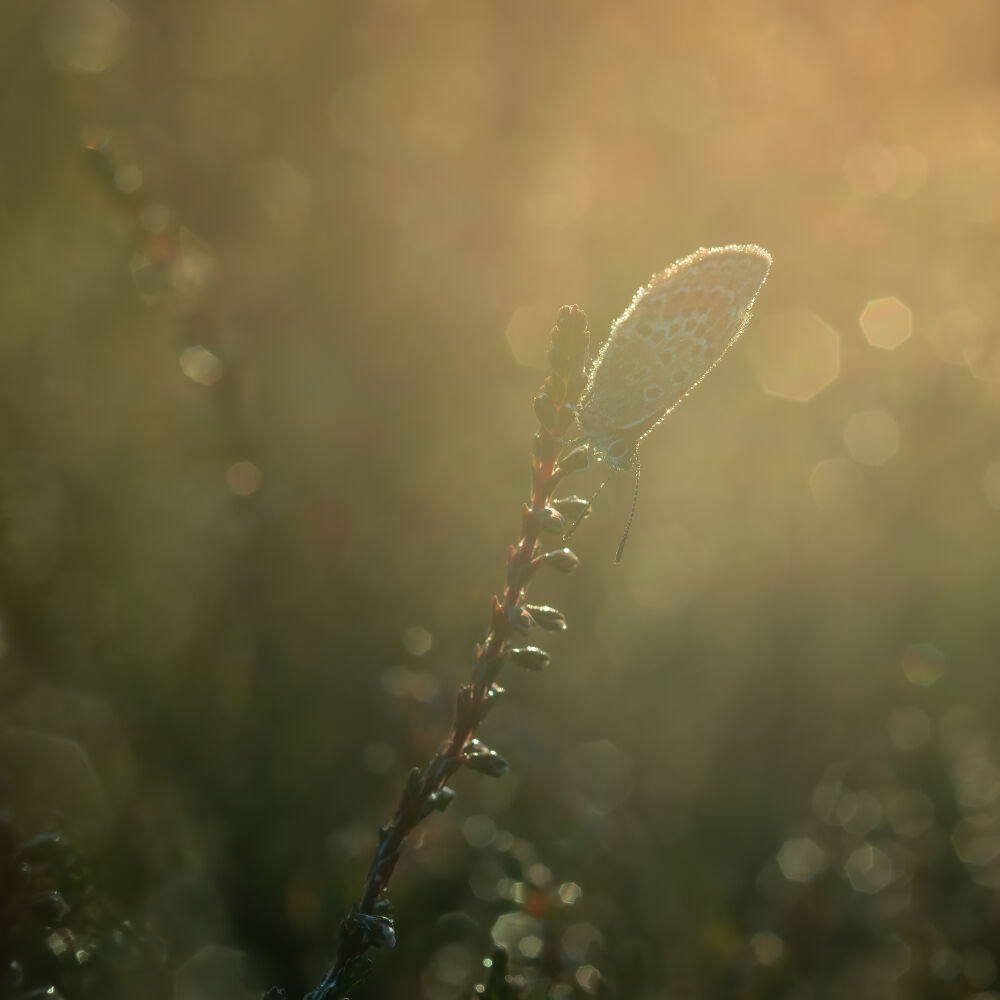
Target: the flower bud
pixel 442 798
pixel 530 657
pixel 572 508
pixel 495 693
pixel 570 341
pixel 379 932
pixel 545 410
pixel 549 519
pixel 564 560
pixel 546 617
pixel 480 758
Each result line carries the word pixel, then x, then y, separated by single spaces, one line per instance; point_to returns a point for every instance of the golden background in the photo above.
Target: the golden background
pixel 276 282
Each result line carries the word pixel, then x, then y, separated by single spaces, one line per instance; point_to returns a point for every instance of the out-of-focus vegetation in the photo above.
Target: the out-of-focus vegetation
pixel 275 283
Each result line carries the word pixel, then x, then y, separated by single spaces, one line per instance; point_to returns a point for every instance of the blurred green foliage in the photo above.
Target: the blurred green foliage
pixel 272 278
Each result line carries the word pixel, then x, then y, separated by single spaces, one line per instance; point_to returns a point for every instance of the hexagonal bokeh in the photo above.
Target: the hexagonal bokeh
pixel 213 973
pixel 975 845
pixel 510 928
pixel 767 947
pixel 451 966
pixel 886 322
pixel 871 437
pixel 794 354
pixel 869 869
pixel 54 782
pixel 88 720
pixel 200 365
pixel 527 333
pixel 801 859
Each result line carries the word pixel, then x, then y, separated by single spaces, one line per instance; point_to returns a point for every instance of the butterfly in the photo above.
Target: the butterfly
pixel 673 334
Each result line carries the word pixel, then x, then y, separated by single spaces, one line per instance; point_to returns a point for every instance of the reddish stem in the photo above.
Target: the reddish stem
pixel 568 355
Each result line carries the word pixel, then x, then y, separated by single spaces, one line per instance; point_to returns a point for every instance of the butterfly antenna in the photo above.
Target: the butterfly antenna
pixel 631 517
pixel 590 503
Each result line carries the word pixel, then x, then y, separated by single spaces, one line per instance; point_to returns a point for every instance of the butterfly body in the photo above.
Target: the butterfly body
pixel 673 334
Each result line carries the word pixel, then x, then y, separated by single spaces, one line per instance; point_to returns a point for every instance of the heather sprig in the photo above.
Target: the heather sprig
pixel 367 925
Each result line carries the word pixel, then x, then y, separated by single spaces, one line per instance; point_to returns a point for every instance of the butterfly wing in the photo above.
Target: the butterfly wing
pixel 671 336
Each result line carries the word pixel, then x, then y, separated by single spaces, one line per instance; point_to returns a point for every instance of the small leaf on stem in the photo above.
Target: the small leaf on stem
pixel 495 693
pixel 545 410
pixel 520 620
pixel 412 791
pixel 545 446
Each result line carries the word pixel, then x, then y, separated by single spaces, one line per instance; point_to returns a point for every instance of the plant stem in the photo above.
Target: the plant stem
pixel 425 789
